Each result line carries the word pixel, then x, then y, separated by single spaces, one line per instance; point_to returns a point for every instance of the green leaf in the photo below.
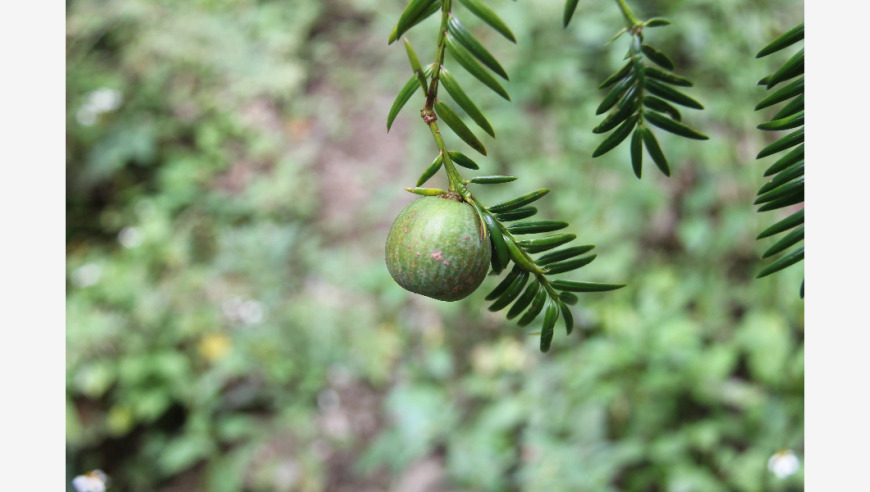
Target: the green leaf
pixel 785 224
pixel 487 15
pixel 521 259
pixel 568 265
pixel 794 138
pixel 781 191
pixel 786 123
pixel 511 292
pixel 786 242
pixel 667 77
pixel 786 201
pixel 464 102
pixel 404 95
pixel 492 179
pixel 657 57
pixel 796 88
pixel 794 171
pixel 657 22
pixel 535 309
pixel 474 68
pixel 431 170
pixel 567 316
pixel 793 106
pixel 795 155
pixel 618 75
pixel 422 74
pixel 673 126
pixel 426 191
pixel 634 48
pixel 518 214
pixel 479 211
pixel 662 106
pixel 550 318
pixel 455 123
pixel 504 284
pixel 518 202
pixel 524 300
pixel 568 298
pixel 637 152
pixel 786 261
pixel 537 227
pixel 613 96
pixel 463 160
pixel 564 254
pixel 787 39
pixel 671 94
pixel 412 56
pixel 469 42
pixel 570 7
pixel 414 13
pixel 542 244
pixel 654 150
pixel 778 186
pixel 624 109
pixel 617 36
pixel 500 255
pixel 572 286
pixel 792 68
pixel 615 138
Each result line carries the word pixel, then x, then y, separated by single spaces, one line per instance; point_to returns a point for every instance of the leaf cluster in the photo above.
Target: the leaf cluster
pixel 643 94
pixel 525 288
pixel 467 51
pixel 786 187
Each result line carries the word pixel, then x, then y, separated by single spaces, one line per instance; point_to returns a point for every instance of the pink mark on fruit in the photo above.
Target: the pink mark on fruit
pixel 437 255
pixel 446 263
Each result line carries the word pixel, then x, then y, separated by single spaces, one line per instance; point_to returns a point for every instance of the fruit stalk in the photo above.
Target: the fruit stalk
pixel 456 183
pixel 455 180
pixel 439 57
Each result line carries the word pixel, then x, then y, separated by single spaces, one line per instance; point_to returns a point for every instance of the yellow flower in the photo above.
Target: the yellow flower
pixel 214 347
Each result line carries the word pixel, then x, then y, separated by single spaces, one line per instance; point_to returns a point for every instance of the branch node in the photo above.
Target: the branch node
pixel 428 116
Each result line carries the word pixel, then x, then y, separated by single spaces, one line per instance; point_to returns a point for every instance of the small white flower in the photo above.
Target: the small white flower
pixel 230 307
pixel 130 237
pixel 104 100
pixel 86 275
pixel 92 481
pixel 248 312
pixel 251 312
pixel 784 463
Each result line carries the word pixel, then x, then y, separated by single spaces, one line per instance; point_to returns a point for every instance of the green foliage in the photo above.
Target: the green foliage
pixel 786 188
pixel 230 322
pixel 471 55
pixel 641 94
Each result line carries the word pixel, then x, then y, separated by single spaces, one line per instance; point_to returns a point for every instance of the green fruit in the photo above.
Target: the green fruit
pixel 436 248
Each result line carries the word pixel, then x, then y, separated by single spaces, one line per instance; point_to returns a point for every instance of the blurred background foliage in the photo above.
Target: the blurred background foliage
pixel 230 321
